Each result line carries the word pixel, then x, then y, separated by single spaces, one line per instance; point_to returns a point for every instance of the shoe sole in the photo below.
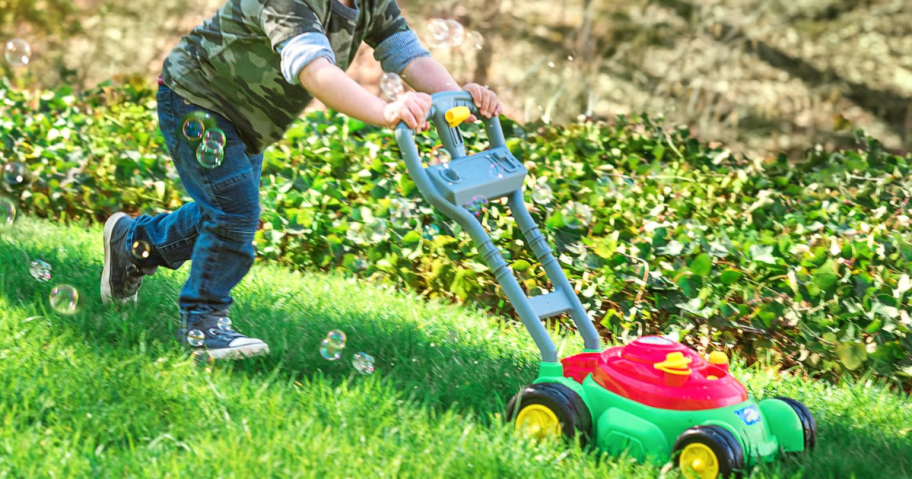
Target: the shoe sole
pixel 106 296
pixel 240 352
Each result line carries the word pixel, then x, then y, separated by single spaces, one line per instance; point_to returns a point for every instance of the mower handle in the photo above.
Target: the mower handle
pixel 441 104
pixel 448 110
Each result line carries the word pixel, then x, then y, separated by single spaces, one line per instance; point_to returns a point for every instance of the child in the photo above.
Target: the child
pixel 253 67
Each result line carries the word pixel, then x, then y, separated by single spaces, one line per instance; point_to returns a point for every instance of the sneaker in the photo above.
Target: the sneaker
pixel 121 278
pixel 212 333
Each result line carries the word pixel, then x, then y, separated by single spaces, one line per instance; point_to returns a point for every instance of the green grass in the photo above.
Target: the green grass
pixel 108 392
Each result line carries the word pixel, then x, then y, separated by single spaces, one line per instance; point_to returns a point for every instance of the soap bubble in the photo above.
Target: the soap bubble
pixel 337 336
pixel 605 183
pixel 216 135
pixel 542 194
pixel 455 33
pixel 431 232
pixel 140 249
pixel 475 40
pixel 65 299
pixel 193 129
pixel 224 323
pixel 360 264
pixel 452 335
pixel 391 86
pixel 209 154
pixel 363 363
pixel 476 205
pixel 7 212
pixel 577 215
pixel 400 213
pixel 447 33
pixel 16 175
pixel 440 156
pixel 18 52
pixel 494 172
pixel 439 32
pixel 332 346
pixel 195 124
pixel 196 338
pixel 375 230
pixel 40 270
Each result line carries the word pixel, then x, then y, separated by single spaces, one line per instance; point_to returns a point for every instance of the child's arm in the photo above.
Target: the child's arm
pixel 296 33
pixel 398 50
pixel 427 75
pixel 332 86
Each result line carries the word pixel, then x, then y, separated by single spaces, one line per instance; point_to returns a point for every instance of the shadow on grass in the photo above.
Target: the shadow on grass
pixel 413 354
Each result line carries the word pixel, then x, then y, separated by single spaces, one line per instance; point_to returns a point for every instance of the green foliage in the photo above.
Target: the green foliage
pixel 806 263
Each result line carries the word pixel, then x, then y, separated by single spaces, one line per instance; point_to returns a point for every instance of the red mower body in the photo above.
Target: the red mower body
pixel 660 373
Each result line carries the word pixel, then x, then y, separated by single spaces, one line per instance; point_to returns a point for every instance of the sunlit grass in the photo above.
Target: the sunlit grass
pixel 109 393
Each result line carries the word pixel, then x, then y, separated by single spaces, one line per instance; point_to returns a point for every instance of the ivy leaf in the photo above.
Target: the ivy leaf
pixel 717 249
pixel 673 248
pixel 826 275
pixel 659 152
pixel 701 265
pixel 520 265
pixel 852 355
pixel 874 326
pixel 762 254
pixel 730 276
pixel 904 284
pixel 695 307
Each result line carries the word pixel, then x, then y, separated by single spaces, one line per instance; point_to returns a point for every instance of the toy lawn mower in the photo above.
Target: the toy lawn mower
pixel 656 399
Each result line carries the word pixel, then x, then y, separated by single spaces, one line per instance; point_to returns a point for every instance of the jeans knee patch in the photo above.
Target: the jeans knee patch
pixel 236 227
pixel 238 199
pixel 224 187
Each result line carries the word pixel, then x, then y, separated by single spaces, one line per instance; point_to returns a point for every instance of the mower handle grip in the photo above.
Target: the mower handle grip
pixel 441 103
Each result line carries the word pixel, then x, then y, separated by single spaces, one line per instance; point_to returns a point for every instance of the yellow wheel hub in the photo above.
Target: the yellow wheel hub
pixel 538 421
pixel 698 460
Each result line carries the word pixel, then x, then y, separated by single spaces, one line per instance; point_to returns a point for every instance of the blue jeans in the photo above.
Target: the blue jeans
pixel 216 230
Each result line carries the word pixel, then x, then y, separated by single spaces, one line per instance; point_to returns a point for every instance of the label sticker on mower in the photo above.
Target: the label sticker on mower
pixel 750 414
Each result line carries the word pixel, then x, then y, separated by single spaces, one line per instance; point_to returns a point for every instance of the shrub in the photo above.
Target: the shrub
pixel 807 264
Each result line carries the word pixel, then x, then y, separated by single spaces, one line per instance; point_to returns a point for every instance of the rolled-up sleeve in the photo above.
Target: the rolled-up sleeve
pixel 285 19
pixel 300 51
pixel 394 43
pixel 398 50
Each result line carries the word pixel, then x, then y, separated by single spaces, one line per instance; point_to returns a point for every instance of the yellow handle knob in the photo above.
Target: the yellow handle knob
pixel 718 357
pixel 675 363
pixel 456 115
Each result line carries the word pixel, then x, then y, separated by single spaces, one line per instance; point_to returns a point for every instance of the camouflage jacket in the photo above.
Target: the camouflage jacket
pixel 230 65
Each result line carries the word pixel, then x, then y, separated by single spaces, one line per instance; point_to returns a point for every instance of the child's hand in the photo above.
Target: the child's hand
pixel 412 108
pixel 485 100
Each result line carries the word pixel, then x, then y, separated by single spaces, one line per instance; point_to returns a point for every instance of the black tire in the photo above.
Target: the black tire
pixel 723 443
pixel 808 424
pixel 565 403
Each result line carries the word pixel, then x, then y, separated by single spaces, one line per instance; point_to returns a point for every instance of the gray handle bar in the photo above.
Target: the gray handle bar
pixel 449 136
pixel 447 197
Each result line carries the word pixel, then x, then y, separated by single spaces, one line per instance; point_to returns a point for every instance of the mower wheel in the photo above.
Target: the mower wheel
pixel 550 409
pixel 807 422
pixel 708 452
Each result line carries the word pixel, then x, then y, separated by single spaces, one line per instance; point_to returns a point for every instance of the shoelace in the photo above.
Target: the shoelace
pixel 224 328
pixel 228 334
pixel 132 279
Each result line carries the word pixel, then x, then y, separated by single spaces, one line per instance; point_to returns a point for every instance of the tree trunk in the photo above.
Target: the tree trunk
pixel 488 27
